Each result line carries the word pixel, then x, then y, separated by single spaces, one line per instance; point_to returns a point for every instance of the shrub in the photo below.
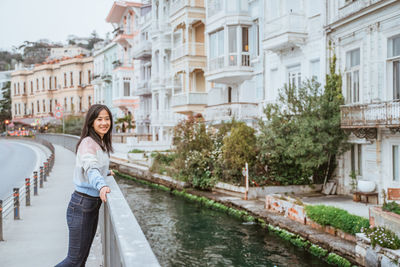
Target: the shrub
pixel 238 148
pixel 338 218
pixel 136 151
pixel 382 237
pixel 391 207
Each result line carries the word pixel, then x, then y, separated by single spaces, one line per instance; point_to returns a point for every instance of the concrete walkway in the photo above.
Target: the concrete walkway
pixel 40 238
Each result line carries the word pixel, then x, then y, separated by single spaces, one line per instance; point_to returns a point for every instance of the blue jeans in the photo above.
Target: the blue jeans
pixel 82 219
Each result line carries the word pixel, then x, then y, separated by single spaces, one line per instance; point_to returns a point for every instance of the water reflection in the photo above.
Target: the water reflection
pixel 182 233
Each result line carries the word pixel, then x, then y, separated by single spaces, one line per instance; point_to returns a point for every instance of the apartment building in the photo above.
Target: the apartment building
pixel 142 87
pixel 235 60
pixel 124 16
pixel 35 92
pixel 294 43
pixel 104 55
pixel 366 37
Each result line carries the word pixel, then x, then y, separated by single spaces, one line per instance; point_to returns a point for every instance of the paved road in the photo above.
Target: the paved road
pixel 17 162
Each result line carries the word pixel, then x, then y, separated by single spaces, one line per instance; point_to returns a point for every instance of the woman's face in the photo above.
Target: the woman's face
pixel 102 123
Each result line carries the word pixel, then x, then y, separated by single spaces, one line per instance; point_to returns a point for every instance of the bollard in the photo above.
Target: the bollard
pixel 27 191
pixel 45 172
pixel 41 177
pixel 16 204
pixel 1 220
pixel 35 191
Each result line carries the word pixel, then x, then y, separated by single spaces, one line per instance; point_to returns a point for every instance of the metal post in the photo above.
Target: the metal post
pixel 16 204
pixel 45 172
pixel 247 182
pixel 41 177
pixel 35 191
pixel 27 191
pixel 1 220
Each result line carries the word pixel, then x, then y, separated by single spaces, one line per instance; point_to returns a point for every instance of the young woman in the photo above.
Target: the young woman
pixel 92 166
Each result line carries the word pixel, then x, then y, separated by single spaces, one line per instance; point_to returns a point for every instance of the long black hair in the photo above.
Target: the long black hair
pixel 88 130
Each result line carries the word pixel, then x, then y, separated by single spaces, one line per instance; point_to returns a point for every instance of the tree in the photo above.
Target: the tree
pixel 5 104
pixel 302 136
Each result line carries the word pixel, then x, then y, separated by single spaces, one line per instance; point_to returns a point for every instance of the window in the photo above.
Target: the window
pixel 245 47
pixel 72 104
pixel 72 78
pixel 89 101
pixel 294 76
pixel 37 84
pixel 24 87
pixel 214 7
pixel 65 80
pixel 232 42
pixel 31 87
pixel 44 106
pixel 126 88
pixel 37 106
pixel 89 77
pixel 217 50
pixel 24 108
pixel 229 94
pixel 50 83
pixel 80 78
pixel 33 108
pixel 18 88
pixel 356 159
pixel 353 76
pixel 55 82
pixel 396 163
pixel 314 70
pixel 394 54
pixel 80 103
pixel 50 106
pixel 42 83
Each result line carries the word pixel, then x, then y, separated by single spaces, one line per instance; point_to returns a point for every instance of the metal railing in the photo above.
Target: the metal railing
pixel 385 114
pixel 12 202
pixel 227 111
pixel 123 241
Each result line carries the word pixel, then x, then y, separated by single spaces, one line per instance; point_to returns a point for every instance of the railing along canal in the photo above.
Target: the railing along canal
pixel 123 241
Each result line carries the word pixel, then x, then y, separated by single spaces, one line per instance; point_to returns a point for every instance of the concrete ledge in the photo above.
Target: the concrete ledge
pixel 261 192
pixel 390 220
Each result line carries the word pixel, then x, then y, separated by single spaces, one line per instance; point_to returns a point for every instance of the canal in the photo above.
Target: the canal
pixel 183 233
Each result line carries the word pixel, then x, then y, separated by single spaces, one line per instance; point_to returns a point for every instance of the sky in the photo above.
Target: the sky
pixel 31 20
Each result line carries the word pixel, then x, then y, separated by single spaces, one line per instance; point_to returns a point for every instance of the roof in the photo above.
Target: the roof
pixel 118 9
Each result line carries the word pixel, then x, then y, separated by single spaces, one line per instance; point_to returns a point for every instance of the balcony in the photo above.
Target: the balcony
pixel 285 32
pixel 142 117
pixel 122 37
pixel 143 88
pixel 229 69
pixel 188 49
pixel 142 50
pixel 189 102
pixel 227 111
pixel 182 8
pixel 374 115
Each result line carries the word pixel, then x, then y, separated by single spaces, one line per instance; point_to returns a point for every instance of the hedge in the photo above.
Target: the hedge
pixel 338 218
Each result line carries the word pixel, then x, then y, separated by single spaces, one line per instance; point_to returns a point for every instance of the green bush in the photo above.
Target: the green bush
pixel 238 148
pixel 383 237
pixel 337 260
pixel 136 151
pixel 391 207
pixel 338 218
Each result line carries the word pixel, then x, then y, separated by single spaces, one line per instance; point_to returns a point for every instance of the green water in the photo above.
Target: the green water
pixel 182 233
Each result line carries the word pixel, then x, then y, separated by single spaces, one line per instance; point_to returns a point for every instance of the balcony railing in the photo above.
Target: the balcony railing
pixel 232 61
pixel 191 98
pixel 179 4
pixel 225 112
pixel 143 88
pixel 165 117
pixel 383 114
pixel 188 49
pixel 142 48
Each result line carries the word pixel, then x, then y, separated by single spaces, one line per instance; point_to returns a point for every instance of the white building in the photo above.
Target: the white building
pixel 294 44
pixel 104 55
pixel 366 37
pixel 235 60
pixel 67 51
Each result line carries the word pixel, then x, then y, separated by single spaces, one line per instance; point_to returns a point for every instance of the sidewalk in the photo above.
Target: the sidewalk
pixel 40 238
